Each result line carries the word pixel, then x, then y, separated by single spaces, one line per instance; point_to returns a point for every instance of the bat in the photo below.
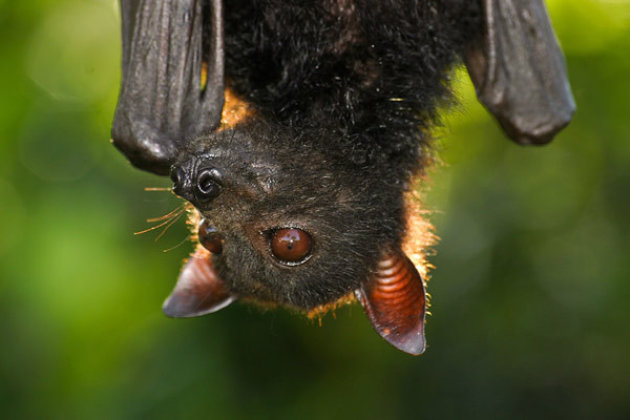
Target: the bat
pixel 296 131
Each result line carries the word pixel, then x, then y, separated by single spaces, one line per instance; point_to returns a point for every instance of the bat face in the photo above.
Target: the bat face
pixel 300 186
pixel 298 227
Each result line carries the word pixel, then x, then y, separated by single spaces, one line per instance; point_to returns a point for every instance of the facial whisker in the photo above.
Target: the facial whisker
pixel 152 228
pixel 171 214
pixel 168 224
pixel 166 219
pixel 169 189
pixel 186 239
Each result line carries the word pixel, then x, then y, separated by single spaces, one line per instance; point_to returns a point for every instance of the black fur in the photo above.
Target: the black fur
pixel 347 91
pixel 371 71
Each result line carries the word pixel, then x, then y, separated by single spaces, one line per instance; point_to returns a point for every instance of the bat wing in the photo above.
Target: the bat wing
pixel 519 72
pixel 172 78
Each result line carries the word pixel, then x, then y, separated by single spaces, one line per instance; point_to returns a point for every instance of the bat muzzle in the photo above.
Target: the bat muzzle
pixel 198 185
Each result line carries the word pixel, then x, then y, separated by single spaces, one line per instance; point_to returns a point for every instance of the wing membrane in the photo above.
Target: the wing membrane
pixel 162 104
pixel 519 72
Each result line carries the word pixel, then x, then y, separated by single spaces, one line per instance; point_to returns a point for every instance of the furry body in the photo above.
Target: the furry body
pixel 370 73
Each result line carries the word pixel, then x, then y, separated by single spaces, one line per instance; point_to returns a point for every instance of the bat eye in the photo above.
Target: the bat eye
pixel 291 246
pixel 208 184
pixel 210 238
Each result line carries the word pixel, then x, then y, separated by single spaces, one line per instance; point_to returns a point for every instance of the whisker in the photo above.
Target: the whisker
pixel 172 213
pixel 166 219
pixel 158 189
pixel 168 224
pixel 153 227
pixel 178 245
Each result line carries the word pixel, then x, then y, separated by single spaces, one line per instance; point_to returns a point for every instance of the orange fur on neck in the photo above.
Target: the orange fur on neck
pixel 235 111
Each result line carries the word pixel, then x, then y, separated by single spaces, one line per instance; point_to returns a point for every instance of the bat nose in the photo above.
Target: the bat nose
pixel 208 185
pixel 197 186
pixel 181 183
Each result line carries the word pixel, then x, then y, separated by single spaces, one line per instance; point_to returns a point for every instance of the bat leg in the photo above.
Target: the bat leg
pixel 199 289
pixel 394 300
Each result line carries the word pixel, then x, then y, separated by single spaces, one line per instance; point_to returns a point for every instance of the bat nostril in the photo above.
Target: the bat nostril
pixel 178 176
pixel 208 184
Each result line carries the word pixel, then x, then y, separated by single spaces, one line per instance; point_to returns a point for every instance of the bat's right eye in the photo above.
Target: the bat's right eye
pixel 291 246
pixel 210 238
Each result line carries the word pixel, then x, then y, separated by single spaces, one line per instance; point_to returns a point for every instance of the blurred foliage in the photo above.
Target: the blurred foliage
pixel 530 295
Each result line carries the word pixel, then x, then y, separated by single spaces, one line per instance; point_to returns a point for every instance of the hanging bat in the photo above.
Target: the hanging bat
pixel 296 132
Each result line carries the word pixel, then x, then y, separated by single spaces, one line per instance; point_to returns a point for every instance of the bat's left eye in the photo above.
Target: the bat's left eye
pixel 291 246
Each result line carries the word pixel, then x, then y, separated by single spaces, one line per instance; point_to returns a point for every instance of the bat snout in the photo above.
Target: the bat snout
pixel 197 185
pixel 182 183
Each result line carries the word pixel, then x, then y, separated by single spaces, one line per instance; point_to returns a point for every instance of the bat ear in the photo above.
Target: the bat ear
pixel 394 300
pixel 199 289
pixel 172 78
pixel 519 72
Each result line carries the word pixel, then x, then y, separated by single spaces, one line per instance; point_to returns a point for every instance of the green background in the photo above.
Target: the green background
pixel 531 295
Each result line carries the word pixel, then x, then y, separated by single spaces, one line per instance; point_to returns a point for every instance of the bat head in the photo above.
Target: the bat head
pixel 296 227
